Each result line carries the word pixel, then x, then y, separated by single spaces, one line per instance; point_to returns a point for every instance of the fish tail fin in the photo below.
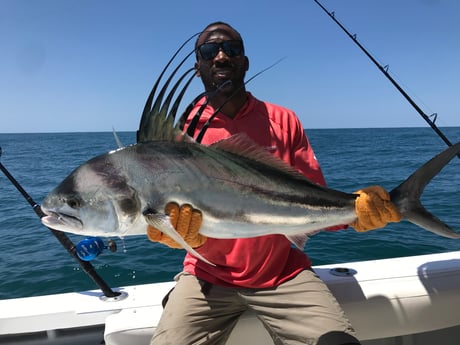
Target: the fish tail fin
pixel 407 195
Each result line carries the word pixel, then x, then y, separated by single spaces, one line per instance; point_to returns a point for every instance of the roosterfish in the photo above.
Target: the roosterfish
pixel 241 189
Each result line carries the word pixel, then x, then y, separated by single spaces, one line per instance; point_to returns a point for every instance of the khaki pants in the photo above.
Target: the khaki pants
pixel 299 311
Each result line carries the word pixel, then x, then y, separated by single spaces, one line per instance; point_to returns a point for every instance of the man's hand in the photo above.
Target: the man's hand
pixel 186 220
pixel 374 209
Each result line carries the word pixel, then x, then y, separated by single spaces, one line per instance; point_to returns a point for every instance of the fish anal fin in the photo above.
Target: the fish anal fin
pixel 299 240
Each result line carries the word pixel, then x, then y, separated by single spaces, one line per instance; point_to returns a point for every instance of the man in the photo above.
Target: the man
pixel 265 274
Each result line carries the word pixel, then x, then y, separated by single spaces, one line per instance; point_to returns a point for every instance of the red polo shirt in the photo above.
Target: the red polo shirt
pixel 265 261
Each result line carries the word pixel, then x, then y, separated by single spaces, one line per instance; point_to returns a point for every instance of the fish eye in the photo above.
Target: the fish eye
pixel 73 202
pixel 128 205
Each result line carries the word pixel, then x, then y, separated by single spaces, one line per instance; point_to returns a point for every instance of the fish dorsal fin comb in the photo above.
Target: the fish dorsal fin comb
pixel 159 122
pixel 158 117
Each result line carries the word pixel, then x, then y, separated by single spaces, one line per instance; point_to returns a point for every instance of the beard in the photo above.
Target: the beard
pixel 225 78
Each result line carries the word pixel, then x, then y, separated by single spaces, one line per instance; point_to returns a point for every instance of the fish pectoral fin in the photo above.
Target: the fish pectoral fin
pixel 161 222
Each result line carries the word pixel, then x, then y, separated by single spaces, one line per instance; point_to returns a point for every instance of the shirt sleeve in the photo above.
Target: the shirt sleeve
pixel 303 156
pixel 305 161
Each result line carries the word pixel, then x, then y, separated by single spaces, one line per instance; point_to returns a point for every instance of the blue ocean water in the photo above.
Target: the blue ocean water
pixel 32 262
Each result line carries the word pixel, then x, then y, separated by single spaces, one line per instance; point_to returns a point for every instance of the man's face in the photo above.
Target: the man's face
pixel 225 66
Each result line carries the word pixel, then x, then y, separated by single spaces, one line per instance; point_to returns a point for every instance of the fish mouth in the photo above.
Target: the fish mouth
pixel 61 221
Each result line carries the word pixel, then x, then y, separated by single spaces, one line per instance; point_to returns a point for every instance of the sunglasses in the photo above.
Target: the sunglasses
pixel 231 48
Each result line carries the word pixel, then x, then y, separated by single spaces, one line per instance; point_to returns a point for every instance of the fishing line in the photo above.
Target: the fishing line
pixel 384 70
pixel 63 239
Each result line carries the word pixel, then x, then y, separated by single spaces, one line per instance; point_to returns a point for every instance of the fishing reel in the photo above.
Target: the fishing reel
pixel 90 248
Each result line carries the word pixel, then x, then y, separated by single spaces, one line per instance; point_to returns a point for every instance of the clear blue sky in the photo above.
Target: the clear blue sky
pixel 88 65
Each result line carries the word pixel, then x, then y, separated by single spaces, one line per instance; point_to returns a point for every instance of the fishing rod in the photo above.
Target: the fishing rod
pixel 384 70
pixel 86 266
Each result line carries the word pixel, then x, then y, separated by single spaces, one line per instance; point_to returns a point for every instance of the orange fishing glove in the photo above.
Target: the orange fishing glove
pixel 186 220
pixel 374 209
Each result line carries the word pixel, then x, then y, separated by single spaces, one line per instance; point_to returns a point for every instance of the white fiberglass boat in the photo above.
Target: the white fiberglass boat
pixel 400 301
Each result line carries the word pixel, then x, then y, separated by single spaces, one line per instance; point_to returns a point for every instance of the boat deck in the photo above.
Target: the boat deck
pixel 401 301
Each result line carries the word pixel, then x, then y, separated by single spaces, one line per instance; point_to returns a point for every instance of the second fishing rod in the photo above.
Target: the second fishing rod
pixel 385 72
